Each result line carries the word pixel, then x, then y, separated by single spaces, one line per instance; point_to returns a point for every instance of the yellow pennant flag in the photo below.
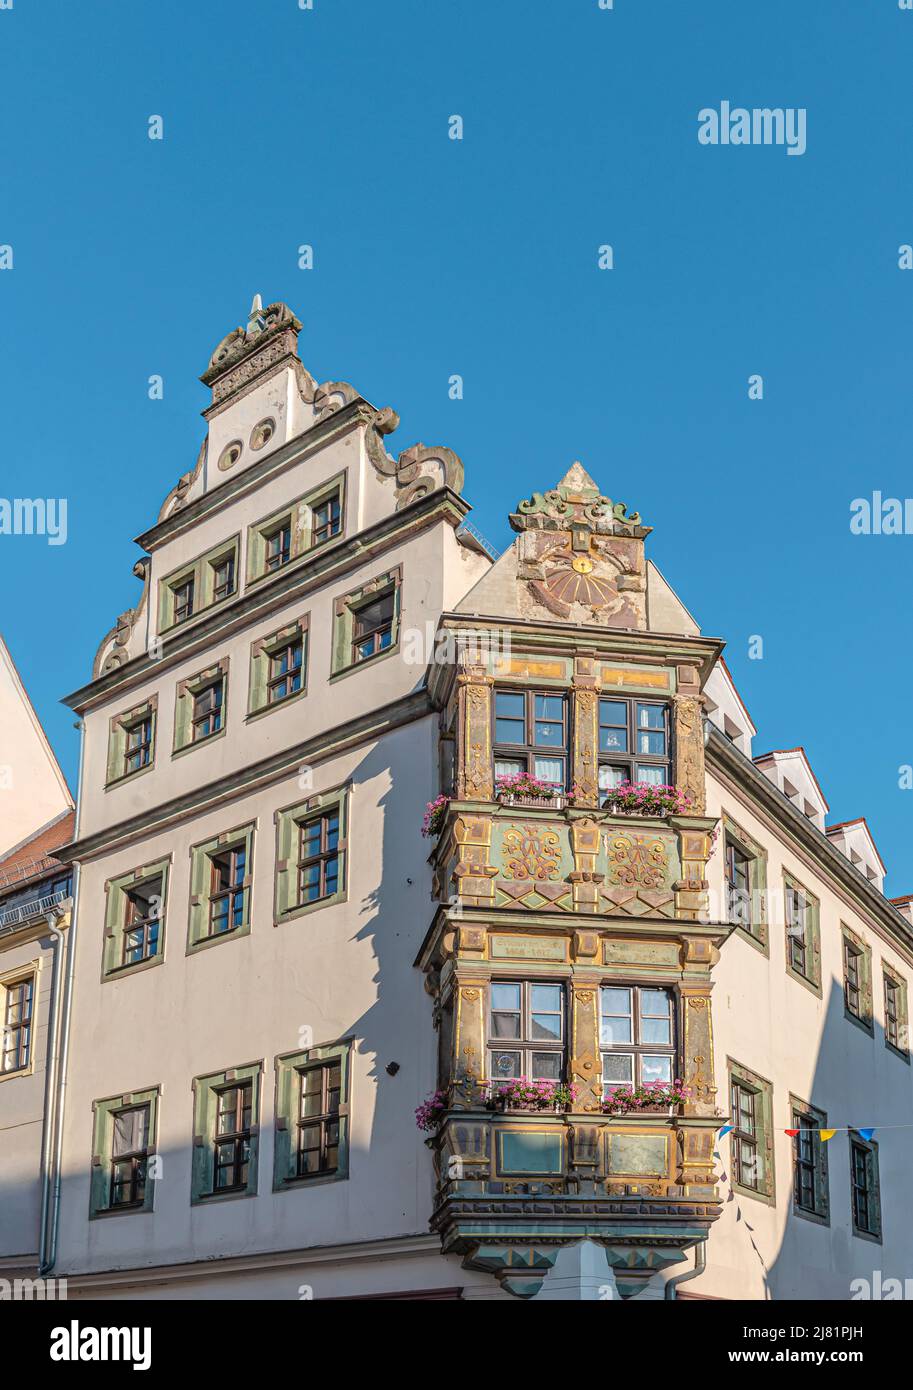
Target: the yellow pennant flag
pixel 825 1134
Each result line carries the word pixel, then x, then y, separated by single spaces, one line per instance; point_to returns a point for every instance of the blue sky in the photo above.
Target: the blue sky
pixel 479 257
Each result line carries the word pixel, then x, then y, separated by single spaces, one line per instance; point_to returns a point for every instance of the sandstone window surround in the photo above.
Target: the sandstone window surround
pixel 896 1015
pixel 811 1192
pixel 135 919
pixel 124 1131
pixel 18 1001
pixel 199 585
pixel 362 632
pixel 296 529
pixel 312 854
pixel 226 1138
pixel 752 1137
pixel 865 1187
pixel 131 742
pixel 857 979
pixel 312 1116
pixel 745 884
pixel 278 667
pixel 221 879
pixel 201 708
pixel 803 935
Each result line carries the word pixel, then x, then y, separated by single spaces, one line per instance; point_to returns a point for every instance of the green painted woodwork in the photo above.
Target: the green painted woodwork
pixel 757 932
pixel 117 740
pixel 288 846
pixel 103 1112
pixel 763 1089
pixel 260 653
pixel 822 1214
pixel 300 517
pixel 903 1017
pixel 116 915
pixel 205 1092
pixel 345 610
pixel 202 571
pixel 198 933
pixel 288 1096
pixel 865 1018
pixel 530 1152
pixel 811 980
pixel 874 1177
pixel 183 708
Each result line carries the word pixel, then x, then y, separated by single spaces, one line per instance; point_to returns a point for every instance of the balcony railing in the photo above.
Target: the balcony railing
pixel 35 907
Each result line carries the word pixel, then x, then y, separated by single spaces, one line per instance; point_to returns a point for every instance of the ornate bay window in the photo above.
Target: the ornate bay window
pixel 633 742
pixel 636 1035
pixel 526 1031
pixel 531 735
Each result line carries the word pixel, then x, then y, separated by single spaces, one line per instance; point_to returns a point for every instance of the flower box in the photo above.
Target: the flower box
pixel 646 799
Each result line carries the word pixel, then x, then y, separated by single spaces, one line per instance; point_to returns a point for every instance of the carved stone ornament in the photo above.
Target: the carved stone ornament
pixel 263 325
pixel 416 471
pixel 113 650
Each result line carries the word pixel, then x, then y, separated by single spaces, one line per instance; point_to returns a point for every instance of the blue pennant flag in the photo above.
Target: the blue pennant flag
pixel 867 1133
pixel 726 1129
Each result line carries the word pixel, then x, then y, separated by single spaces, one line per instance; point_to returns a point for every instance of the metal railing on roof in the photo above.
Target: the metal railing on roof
pixel 35 907
pixel 467 529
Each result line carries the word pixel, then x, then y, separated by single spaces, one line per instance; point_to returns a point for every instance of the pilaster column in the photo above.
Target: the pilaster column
pixel 474 765
pixel 689 738
pixel 585 846
pixel 585 750
pixel 585 1066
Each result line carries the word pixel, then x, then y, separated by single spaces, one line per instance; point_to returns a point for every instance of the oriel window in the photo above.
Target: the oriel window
pixel 526 1031
pixel 232 1137
pixel 129 1156
pixel 226 898
pixel 143 924
pixel 633 742
pixel 320 1097
pixel 17 1025
pixel 531 735
pixel 636 1035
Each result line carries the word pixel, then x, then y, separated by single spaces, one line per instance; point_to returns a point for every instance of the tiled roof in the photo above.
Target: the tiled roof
pixel 35 856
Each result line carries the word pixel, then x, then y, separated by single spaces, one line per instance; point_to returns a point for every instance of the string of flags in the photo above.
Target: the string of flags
pixel 865 1133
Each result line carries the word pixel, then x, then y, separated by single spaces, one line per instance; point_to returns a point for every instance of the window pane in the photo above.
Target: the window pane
pixel 505 1025
pixel 617 1067
pixel 652 744
pixel 655 1002
pixel 509 731
pixel 610 777
pixel 651 717
pixel 546 1066
pixel 505 996
pixel 550 770
pixel 614 741
pixel 549 735
pixel 655 1030
pixel 509 705
pixel 505 1065
pixel 614 712
pixel 546 1026
pixel 546 998
pixel 508 768
pixel 550 707
pixel 656 776
pixel 616 1001
pixel 655 1068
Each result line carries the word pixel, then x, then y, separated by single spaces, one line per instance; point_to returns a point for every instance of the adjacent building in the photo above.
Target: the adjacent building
pixel 274 967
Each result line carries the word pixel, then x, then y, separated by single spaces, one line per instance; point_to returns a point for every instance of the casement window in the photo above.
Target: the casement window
pixel 198 585
pixel 129 1156
pixel 857 979
pixel 531 735
pixel 221 876
pixel 317 1131
pixel 895 1013
pixel 810 1175
pixel 131 741
pixel 738 885
pixel 327 518
pixel 636 1035
pixel 278 545
pixel 803 951
pixel 311 855
pixel 201 707
pixel 226 1130
pixel 526 1031
pixel 751 1140
pixel 278 667
pixel 232 1137
pixel 864 1185
pixel 366 623
pixel 142 921
pixel 123 1176
pixel 17 998
pixel 745 883
pixel 135 918
pixel 633 742
pixel 312 1116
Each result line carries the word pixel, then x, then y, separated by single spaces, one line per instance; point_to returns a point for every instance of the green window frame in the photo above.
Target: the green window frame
pixel 745 884
pixel 305 1134
pixel 896 1016
pixel 309 837
pixel 131 929
pixel 865 1187
pixel 203 579
pixel 347 612
pixel 272 670
pixel 220 901
pixel 105 1152
pixel 811 1187
pixel 290 532
pixel 190 718
pixel 803 934
pixel 211 1135
pixel 131 742
pixel 752 1139
pixel 857 979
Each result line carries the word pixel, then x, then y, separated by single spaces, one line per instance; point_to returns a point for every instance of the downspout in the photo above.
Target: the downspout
pixel 700 1264
pixel 50 1207
pixel 50 1076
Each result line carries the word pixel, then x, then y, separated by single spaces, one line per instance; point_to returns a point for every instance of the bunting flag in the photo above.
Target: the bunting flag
pixel 725 1130
pixel 791 1132
pixel 864 1131
pixel 825 1134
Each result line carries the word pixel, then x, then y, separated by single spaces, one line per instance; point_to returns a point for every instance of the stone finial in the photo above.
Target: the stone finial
pixel 271 334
